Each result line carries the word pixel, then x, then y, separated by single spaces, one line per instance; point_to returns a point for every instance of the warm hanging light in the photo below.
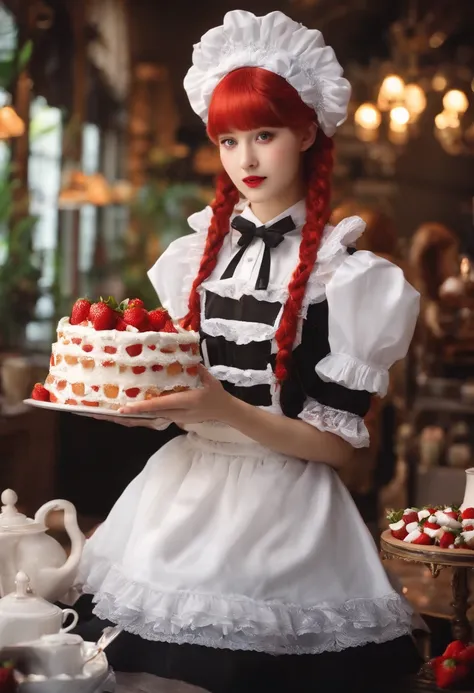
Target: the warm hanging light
pixel 392 87
pixel 368 116
pixel 399 117
pixel 415 99
pixel 456 101
pixel 439 82
pixel 446 119
pixel 465 268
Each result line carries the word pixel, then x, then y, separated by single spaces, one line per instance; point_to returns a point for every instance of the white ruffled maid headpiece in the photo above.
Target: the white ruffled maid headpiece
pixel 278 44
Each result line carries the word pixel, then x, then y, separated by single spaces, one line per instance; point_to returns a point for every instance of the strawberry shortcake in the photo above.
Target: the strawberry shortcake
pixel 108 354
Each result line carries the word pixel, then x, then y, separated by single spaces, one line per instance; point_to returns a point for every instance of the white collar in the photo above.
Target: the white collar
pixel 297 212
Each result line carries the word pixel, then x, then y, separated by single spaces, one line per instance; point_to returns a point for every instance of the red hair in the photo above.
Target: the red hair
pixel 246 99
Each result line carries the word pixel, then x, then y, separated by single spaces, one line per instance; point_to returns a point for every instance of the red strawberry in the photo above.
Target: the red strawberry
pixel 40 393
pixel 466 655
pixel 398 529
pixel 454 649
pixel 121 325
pixel 448 671
pixel 135 303
pixel 169 327
pixel 137 317
pixel 7 680
pixel 452 513
pixel 423 539
pixel 102 316
pixel 158 319
pixel 430 525
pixel 80 311
pixel 467 514
pixel 447 540
pixel 410 516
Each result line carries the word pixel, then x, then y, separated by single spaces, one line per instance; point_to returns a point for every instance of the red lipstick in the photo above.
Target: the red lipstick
pixel 253 181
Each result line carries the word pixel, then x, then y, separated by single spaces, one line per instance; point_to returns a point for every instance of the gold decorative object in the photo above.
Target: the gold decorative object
pixel 461 561
pixel 81 189
pixel 11 125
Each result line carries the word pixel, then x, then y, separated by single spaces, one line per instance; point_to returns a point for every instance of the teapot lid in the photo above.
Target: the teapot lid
pixel 11 520
pixel 24 603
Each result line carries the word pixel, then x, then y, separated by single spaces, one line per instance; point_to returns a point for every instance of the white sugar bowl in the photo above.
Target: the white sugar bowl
pixel 25 617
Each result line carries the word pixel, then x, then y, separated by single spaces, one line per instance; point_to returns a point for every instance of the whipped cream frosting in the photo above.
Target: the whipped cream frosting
pixel 112 368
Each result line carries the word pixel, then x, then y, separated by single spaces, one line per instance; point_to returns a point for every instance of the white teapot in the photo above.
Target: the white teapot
pixel 25 617
pixel 24 545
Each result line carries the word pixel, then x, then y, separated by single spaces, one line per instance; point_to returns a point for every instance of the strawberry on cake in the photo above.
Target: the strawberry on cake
pixel 109 354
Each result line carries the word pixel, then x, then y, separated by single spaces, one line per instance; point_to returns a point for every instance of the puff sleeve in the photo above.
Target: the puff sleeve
pixel 372 313
pixel 173 273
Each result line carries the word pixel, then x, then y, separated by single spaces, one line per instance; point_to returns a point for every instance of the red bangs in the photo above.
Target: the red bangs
pixel 251 97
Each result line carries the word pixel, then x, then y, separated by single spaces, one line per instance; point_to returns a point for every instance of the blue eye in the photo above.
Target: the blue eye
pixel 227 142
pixel 265 136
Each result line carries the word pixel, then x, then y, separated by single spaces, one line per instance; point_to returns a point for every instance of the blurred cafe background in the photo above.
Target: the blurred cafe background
pixel 102 160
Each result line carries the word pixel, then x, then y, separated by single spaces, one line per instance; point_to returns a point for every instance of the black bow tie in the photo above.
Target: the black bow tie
pixel 272 236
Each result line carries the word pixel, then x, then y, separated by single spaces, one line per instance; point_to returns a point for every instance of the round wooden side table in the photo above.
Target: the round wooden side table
pixel 461 561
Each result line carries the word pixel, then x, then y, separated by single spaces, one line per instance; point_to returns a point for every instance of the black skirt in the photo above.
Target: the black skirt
pixel 369 668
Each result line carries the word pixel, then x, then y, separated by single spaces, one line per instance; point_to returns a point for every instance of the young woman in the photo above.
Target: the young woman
pixel 237 558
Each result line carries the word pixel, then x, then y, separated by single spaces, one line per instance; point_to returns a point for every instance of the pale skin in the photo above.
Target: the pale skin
pixel 276 154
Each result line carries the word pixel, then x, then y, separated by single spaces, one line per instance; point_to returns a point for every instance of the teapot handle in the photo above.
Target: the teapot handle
pixel 71 526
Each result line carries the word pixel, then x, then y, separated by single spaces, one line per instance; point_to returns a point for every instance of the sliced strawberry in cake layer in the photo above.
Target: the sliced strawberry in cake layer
pixel 134 350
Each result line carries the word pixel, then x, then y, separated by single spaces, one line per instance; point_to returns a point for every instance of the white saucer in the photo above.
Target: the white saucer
pixel 96 673
pixel 91 411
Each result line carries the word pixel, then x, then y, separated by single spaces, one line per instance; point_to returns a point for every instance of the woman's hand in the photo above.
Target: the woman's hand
pixel 208 403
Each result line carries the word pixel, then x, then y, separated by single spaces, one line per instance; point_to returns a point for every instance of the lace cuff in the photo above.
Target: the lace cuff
pixel 353 374
pixel 344 424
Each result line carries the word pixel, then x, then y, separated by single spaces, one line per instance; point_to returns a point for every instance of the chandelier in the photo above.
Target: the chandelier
pixel 400 89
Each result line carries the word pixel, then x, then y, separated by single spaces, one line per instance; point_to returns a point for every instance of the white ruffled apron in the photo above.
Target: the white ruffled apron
pixel 223 543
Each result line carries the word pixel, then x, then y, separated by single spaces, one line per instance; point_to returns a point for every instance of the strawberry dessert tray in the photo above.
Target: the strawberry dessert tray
pixel 438 537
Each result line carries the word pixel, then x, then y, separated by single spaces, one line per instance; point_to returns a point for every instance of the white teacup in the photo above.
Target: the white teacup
pixel 61 653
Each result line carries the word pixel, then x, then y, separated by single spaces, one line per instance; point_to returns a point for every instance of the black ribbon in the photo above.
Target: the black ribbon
pixel 272 236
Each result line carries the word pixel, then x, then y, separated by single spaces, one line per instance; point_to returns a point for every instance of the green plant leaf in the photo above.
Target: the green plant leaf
pixel 24 55
pixel 6 73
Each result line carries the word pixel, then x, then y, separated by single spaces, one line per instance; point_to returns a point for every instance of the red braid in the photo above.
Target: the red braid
pixel 223 205
pixel 319 165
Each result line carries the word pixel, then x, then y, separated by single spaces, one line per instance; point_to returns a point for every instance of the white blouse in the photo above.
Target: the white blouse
pixel 372 309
